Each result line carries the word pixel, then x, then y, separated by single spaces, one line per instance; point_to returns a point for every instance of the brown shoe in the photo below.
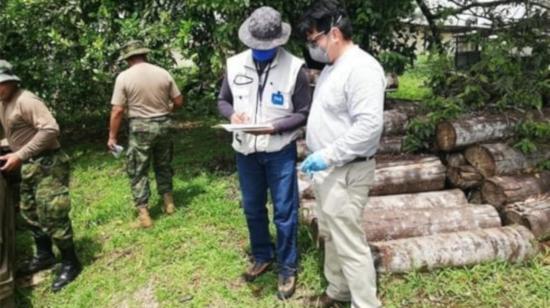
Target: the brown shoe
pixel 256 270
pixel 286 287
pixel 144 219
pixel 169 208
pixel 325 301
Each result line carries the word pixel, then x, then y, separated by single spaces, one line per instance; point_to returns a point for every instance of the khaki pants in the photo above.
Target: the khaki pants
pixel 341 195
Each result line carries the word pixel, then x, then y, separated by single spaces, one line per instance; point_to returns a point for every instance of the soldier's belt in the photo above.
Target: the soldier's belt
pixel 153 119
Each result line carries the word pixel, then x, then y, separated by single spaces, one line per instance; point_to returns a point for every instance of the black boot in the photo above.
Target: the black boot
pixel 70 268
pixel 43 260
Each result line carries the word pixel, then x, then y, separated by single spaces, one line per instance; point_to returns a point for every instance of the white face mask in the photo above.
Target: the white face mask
pixel 318 54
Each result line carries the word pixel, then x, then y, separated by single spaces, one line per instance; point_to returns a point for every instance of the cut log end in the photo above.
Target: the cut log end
pixel 446 136
pixel 481 159
pixel 493 194
pixel 464 177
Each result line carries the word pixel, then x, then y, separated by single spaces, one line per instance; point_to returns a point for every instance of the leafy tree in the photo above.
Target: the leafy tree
pixel 67 50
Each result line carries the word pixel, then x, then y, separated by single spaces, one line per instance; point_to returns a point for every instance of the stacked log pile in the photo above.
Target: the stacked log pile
pixel 451 207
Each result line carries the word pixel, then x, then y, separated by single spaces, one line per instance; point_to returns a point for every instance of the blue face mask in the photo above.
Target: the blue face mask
pixel 264 55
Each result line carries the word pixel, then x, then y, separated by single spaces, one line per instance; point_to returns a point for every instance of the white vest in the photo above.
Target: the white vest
pixel 276 102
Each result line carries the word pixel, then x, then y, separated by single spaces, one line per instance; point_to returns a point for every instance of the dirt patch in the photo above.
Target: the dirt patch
pixel 143 297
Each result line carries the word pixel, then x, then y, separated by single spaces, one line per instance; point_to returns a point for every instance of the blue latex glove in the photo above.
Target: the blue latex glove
pixel 314 162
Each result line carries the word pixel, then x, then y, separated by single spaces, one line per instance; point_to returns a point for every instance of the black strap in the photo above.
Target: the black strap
pixel 261 86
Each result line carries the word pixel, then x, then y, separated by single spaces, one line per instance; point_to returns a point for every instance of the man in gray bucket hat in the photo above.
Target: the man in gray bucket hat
pixel 267 85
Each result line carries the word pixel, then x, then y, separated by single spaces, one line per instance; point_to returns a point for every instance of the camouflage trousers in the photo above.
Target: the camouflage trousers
pixel 45 202
pixel 150 140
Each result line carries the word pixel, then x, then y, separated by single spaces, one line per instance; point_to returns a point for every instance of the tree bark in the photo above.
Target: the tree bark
pixel 394 122
pixel 410 108
pixel 391 145
pixel 451 135
pixel 500 159
pixel 533 214
pixel 464 177
pixel 384 225
pixel 500 190
pixel 408 176
pixel 453 198
pixel 463 132
pixel 512 244
pixel 432 23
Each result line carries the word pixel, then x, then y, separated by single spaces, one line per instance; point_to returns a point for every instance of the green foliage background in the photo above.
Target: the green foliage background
pixel 66 51
pixel 506 79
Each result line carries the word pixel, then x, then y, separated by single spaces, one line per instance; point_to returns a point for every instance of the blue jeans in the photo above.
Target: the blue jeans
pixel 275 171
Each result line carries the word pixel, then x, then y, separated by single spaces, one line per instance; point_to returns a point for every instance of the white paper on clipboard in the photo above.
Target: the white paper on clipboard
pixel 243 127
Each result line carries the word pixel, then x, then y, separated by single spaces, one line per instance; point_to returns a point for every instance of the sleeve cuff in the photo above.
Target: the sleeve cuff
pixel 22 155
pixel 329 156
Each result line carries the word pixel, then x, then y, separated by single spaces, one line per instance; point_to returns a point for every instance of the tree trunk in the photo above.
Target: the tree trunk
pixel 384 225
pixel 500 190
pixel 464 177
pixel 533 214
pixel 435 38
pixel 485 128
pixel 501 159
pixel 409 107
pixel 513 244
pixel 467 131
pixel 391 145
pixel 409 176
pixel 394 122
pixel 452 198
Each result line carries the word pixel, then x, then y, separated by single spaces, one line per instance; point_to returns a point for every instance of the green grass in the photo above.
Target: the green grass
pixel 411 83
pixel 195 257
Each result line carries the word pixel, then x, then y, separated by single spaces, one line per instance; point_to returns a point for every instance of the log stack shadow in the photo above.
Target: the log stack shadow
pixel 471 200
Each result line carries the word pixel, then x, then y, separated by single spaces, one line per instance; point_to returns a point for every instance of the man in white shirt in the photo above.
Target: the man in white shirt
pixel 343 133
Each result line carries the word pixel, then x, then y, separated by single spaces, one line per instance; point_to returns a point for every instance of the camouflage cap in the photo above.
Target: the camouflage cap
pixel 133 48
pixel 6 73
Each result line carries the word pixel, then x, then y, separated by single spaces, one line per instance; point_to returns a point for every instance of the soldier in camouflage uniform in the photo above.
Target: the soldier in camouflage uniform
pixel 32 134
pixel 149 94
pixel 7 242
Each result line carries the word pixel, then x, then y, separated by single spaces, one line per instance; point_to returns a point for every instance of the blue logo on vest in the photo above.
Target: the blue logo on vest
pixel 277 99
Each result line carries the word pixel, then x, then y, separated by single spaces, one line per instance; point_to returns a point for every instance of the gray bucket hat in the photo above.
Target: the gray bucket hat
pixel 133 48
pixel 264 29
pixel 6 73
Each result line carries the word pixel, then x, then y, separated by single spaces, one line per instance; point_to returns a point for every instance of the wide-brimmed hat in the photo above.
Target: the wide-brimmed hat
pixel 264 29
pixel 6 73
pixel 133 48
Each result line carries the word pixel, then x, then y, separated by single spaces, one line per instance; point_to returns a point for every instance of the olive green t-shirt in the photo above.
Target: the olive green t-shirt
pixel 146 90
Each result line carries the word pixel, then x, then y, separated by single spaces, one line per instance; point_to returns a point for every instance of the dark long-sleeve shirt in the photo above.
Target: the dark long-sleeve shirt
pixel 301 100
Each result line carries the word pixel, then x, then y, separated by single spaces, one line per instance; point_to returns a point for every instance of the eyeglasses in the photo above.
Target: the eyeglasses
pixel 312 42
